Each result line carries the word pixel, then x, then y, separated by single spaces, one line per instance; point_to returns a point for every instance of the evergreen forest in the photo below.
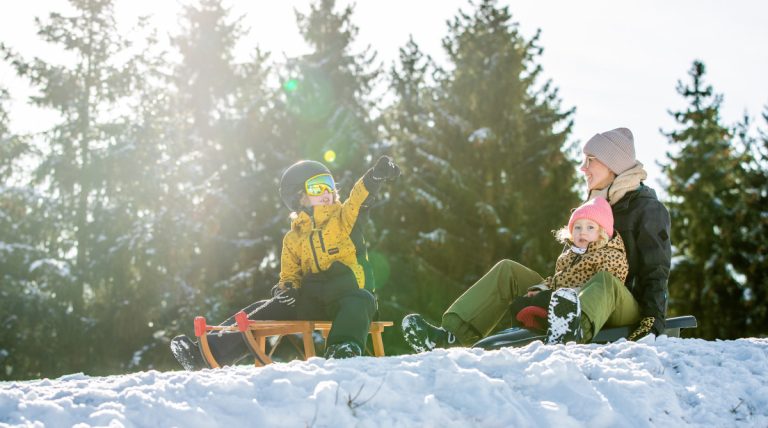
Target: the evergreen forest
pixel 152 197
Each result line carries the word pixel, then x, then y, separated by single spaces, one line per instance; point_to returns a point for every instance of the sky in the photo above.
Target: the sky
pixel 618 63
pixel 656 382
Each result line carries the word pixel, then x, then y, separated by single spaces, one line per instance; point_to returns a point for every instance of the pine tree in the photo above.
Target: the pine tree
pixel 328 95
pixel 73 164
pixel 131 307
pixel 30 277
pixel 204 82
pixel 486 176
pixel 224 218
pixel 409 127
pixel 750 259
pixel 12 147
pixel 31 314
pixel 706 182
pixel 250 214
pixel 81 94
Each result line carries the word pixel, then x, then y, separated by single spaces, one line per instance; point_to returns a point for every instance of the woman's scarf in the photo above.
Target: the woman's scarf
pixel 627 181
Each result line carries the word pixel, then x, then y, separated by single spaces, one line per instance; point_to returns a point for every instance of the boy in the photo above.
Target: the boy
pixel 324 269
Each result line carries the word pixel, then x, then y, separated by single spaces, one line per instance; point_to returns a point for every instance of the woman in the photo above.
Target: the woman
pixel 611 171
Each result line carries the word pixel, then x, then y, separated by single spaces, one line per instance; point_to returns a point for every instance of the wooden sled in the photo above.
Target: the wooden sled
pixel 255 334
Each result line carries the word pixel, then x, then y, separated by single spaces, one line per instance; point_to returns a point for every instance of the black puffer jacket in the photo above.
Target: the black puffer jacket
pixel 643 221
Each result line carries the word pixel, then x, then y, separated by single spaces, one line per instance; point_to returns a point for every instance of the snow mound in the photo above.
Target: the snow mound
pixel 655 382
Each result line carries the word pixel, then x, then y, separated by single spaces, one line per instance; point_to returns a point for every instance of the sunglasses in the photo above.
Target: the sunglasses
pixel 587 160
pixel 318 184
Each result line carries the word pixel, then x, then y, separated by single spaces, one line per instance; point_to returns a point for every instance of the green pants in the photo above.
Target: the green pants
pixel 607 302
pixel 475 314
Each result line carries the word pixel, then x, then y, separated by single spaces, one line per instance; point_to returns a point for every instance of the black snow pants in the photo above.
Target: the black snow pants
pixel 324 296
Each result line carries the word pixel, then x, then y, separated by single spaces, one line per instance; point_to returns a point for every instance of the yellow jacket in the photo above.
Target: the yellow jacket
pixel 331 234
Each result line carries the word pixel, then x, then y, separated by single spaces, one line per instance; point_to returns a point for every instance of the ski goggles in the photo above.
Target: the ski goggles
pixel 318 184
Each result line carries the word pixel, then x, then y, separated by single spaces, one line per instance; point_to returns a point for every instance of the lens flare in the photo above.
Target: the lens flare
pixel 329 156
pixel 381 268
pixel 291 85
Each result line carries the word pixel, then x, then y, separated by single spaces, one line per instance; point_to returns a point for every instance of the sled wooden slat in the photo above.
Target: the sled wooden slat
pixel 255 334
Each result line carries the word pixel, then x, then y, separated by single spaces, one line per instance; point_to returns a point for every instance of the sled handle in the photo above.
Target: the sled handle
pixel 200 326
pixel 242 321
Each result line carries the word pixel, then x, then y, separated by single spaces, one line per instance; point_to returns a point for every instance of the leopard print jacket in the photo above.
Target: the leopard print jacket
pixel 574 270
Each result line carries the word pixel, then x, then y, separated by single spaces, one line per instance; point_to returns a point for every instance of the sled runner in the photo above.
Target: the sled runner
pixel 517 336
pixel 255 333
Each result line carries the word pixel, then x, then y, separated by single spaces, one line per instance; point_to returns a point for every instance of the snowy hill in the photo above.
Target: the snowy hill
pixel 663 382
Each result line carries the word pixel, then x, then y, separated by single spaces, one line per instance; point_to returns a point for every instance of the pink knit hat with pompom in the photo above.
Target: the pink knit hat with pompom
pixel 597 210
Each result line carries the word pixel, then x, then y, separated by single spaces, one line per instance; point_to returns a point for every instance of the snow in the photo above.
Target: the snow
pixel 655 382
pixel 480 136
pixel 60 266
pixel 694 178
pixel 437 236
pixel 429 199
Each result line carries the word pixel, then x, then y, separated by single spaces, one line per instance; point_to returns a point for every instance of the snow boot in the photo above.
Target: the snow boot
pixel 423 336
pixel 564 317
pixel 187 353
pixel 343 350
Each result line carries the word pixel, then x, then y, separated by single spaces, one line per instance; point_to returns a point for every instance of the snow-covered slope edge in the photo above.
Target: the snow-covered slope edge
pixel 661 382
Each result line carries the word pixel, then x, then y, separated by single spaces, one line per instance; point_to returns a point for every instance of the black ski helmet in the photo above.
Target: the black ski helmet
pixel 293 179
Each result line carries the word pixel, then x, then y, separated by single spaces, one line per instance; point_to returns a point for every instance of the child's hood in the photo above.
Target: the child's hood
pixel 615 243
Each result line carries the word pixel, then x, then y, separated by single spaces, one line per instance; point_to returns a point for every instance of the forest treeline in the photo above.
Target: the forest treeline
pixel 152 197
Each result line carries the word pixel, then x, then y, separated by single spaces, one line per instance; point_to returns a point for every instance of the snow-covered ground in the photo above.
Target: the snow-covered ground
pixel 664 382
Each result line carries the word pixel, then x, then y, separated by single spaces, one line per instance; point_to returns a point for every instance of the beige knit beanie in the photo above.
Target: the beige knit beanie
pixel 614 148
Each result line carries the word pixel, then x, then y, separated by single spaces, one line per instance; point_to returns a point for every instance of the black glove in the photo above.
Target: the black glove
pixel 385 169
pixel 285 293
pixel 642 330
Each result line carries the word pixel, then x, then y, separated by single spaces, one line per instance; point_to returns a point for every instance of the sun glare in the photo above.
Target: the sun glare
pixel 329 156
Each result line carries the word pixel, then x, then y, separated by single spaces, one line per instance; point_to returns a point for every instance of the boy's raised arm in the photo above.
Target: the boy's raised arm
pixel 366 187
